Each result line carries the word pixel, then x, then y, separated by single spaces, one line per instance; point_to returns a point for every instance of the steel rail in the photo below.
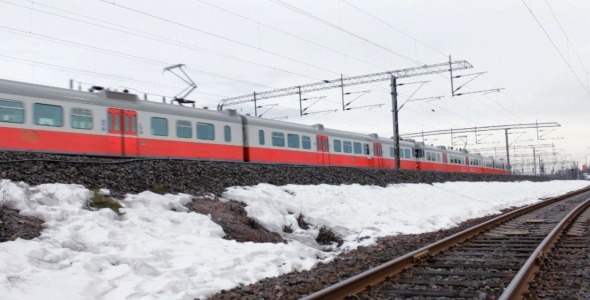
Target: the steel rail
pixel 520 283
pixel 360 282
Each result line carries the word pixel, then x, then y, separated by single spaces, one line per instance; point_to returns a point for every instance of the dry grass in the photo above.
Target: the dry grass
pixel 327 236
pixel 99 201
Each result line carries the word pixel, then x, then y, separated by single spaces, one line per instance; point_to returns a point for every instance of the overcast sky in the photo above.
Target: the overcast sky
pixel 232 48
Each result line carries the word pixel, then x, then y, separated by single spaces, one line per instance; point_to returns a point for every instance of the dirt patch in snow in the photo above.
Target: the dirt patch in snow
pixel 234 220
pixel 13 225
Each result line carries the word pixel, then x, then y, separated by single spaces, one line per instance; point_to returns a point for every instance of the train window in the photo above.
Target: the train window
pixel 81 118
pixel 293 140
pixel 127 123
pixel 227 133
pixel 261 137
pixel 12 111
pixel 337 146
pixel 134 123
pixel 205 131
pixel 347 147
pixel 419 153
pixel 306 142
pixel 278 139
pixel 117 122
pixel 408 153
pixel 48 115
pixel 367 149
pixel 159 126
pixel 391 151
pixel 357 148
pixel 184 129
pixel 110 121
pixel 438 158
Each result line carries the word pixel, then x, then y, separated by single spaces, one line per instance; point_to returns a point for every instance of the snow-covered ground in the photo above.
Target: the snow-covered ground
pixel 157 250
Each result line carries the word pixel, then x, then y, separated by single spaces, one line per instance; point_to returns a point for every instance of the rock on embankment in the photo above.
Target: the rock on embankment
pixel 197 177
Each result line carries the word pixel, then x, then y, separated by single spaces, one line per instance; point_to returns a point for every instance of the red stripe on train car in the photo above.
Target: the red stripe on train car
pixel 52 141
pixel 188 149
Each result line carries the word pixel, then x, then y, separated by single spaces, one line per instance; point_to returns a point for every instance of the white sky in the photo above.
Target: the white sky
pixel 157 250
pixel 233 48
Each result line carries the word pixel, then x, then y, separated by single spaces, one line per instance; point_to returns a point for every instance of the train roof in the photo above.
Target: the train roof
pixel 109 98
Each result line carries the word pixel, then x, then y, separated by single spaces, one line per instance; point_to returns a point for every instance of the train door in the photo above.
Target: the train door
pixel 122 128
pixel 378 157
pixel 323 148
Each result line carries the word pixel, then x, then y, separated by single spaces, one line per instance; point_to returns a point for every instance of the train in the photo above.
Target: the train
pixel 106 122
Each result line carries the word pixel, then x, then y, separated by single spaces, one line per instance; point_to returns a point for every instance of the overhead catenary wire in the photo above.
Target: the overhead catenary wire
pixel 395 28
pixel 327 23
pixel 216 35
pixel 318 19
pixel 291 34
pixel 151 36
pixel 556 48
pixel 567 38
pixel 350 33
pixel 103 1
pixel 121 54
pixel 92 73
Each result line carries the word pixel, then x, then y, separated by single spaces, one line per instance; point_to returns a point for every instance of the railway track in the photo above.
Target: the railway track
pixel 494 260
pixel 565 273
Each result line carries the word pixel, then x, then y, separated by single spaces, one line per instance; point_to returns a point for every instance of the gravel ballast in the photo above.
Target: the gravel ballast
pixel 198 177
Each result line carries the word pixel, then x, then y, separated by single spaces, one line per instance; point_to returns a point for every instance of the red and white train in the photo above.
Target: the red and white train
pixel 55 120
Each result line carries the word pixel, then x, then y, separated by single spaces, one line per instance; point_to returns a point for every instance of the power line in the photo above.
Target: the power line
pixel 556 48
pixel 216 35
pixel 309 15
pixel 150 36
pixel 567 37
pixel 121 54
pixel 290 34
pixel 395 28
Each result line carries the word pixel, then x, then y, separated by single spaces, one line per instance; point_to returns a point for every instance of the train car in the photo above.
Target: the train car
pixel 352 149
pixel 271 141
pixel 475 162
pixel 430 158
pixel 47 119
pixel 499 167
pixel 406 153
pixel 457 160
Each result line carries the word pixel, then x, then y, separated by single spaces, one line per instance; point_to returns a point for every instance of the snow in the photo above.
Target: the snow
pixel 156 250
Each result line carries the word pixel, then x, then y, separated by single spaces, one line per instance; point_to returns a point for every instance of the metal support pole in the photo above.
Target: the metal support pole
pixel 451 70
pixel 395 120
pixel 508 152
pixel 255 106
pixel 534 162
pixel 341 88
pixel 300 102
